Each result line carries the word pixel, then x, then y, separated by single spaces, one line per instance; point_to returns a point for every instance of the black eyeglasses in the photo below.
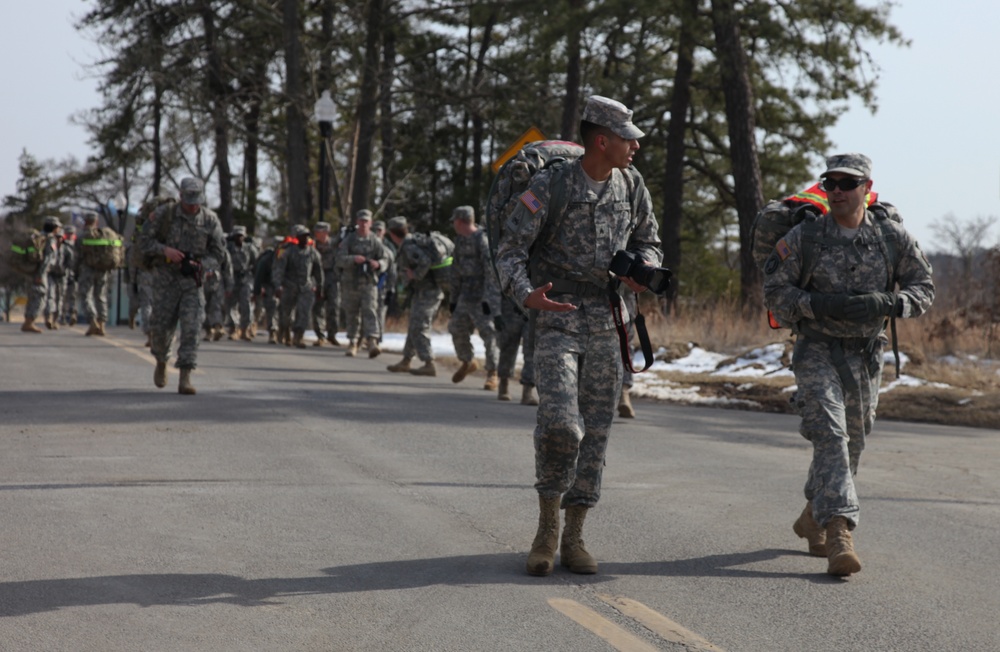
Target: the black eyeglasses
pixel 845 184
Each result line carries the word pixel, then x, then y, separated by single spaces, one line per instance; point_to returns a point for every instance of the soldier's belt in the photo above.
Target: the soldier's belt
pixel 578 288
pixel 846 343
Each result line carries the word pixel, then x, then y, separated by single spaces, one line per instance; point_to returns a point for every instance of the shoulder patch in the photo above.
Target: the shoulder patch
pixel 530 201
pixel 772 263
pixel 783 249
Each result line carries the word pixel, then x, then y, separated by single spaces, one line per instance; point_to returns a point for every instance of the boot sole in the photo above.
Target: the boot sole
pixel 844 565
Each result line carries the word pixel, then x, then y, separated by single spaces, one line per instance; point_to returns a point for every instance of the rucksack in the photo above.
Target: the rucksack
pixel 515 176
pixel 102 249
pixel 441 250
pixel 26 250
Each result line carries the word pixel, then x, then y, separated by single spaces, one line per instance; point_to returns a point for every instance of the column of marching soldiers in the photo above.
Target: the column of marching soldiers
pixel 356 278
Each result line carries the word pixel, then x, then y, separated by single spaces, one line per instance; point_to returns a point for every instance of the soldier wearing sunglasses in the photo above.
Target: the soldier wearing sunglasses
pixel 837 280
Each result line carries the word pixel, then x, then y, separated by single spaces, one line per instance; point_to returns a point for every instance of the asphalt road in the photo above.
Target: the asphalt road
pixel 307 501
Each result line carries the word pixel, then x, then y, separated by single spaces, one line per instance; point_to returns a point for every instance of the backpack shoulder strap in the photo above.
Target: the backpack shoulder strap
pixel 812 239
pixel 888 241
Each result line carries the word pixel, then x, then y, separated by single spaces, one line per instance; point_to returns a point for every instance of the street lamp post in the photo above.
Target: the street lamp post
pixel 121 204
pixel 325 111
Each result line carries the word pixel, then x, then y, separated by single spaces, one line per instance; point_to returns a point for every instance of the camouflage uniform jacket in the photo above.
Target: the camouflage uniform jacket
pixel 196 235
pixel 472 277
pixel 221 267
pixel 298 266
pixel 576 246
pixel 328 254
pixel 846 266
pixel 370 247
pixel 244 261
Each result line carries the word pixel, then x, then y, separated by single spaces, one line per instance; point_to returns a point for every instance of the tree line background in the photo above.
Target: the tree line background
pixel 735 97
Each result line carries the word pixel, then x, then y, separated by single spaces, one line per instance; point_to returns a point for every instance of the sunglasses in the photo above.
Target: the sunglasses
pixel 844 184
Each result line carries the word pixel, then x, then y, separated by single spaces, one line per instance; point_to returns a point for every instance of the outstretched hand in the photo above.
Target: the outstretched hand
pixel 538 301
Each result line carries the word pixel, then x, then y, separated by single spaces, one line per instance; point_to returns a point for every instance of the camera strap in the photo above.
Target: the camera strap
pixel 640 329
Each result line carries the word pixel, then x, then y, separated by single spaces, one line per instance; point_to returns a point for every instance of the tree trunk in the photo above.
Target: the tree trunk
pixel 219 99
pixel 297 163
pixel 673 177
pixel 738 94
pixel 571 100
pixel 478 124
pixel 385 117
pixel 367 107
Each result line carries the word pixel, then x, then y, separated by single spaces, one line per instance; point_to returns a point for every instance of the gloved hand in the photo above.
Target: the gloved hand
pixel 866 307
pixel 828 305
pixel 498 323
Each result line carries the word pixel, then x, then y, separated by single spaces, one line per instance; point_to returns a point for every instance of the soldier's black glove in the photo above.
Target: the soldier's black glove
pixel 486 308
pixel 828 305
pixel 866 307
pixel 498 323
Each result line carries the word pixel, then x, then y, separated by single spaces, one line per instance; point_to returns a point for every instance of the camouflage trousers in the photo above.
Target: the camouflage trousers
pixel 94 290
pixel 239 301
pixel 36 297
pixel 838 411
pixel 54 295
pixel 578 376
pixel 144 297
pixel 469 317
pixel 516 329
pixel 176 300
pixel 214 298
pixel 326 311
pixel 297 299
pixel 70 308
pixel 268 303
pixel 361 310
pixel 423 307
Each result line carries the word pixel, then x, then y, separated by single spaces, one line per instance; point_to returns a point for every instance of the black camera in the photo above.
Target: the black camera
pixel 365 268
pixel 627 264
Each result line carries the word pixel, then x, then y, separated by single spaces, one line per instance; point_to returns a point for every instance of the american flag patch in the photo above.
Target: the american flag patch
pixel 531 202
pixel 783 249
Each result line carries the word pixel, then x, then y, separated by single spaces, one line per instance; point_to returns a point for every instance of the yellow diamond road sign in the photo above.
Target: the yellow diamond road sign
pixel 530 136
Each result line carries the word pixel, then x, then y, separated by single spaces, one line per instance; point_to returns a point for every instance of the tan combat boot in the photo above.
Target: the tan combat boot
pixel 185 386
pixel 234 333
pixel 297 339
pixel 320 340
pixel 840 548
pixel 334 341
pixel 48 323
pixel 217 332
pixel 94 328
pixel 402 365
pixel 427 370
pixel 100 329
pixel 246 334
pixel 542 558
pixel 528 395
pixel 29 326
pixel 160 375
pixel 491 381
pixel 352 349
pixel 208 335
pixel 285 335
pixel 807 528
pixel 252 330
pixel 503 393
pixel 271 336
pixel 463 371
pixel 55 324
pixel 572 554
pixel 373 348
pixel 625 408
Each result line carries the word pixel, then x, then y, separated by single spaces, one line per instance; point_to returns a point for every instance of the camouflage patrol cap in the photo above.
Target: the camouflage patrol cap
pixel 69 229
pixel 398 222
pixel 300 229
pixel 239 229
pixel 192 191
pixel 464 213
pixel 89 217
pixel 322 226
pixel 611 114
pixel 363 214
pixel 855 164
pixel 378 225
pixel 52 221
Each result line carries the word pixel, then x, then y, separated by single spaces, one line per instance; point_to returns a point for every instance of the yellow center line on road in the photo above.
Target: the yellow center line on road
pixel 665 628
pixel 617 637
pixel 142 353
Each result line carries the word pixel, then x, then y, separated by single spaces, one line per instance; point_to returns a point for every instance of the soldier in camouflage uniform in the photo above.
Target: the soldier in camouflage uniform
pixel 297 274
pixel 93 283
pixel 39 289
pixel 263 288
pixel 360 259
pixel 177 236
pixel 475 297
pixel 838 310
pixel 217 282
pixel 413 265
pixel 69 307
pixel 387 279
pixel 243 256
pixel 326 310
pixel 578 365
pixel 513 328
pixel 63 262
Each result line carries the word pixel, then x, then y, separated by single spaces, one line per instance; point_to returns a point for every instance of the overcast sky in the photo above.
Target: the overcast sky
pixel 935 140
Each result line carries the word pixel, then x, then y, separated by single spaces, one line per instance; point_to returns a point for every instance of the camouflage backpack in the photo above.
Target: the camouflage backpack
pixel 441 249
pixel 137 258
pixel 26 251
pixel 102 249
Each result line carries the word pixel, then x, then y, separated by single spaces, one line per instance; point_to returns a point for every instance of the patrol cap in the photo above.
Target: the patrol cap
pixel 322 226
pixel 378 225
pixel 52 221
pixel 363 214
pixel 300 229
pixel 855 164
pixel 89 217
pixel 239 229
pixel 398 222
pixel 464 213
pixel 69 229
pixel 192 191
pixel 611 114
